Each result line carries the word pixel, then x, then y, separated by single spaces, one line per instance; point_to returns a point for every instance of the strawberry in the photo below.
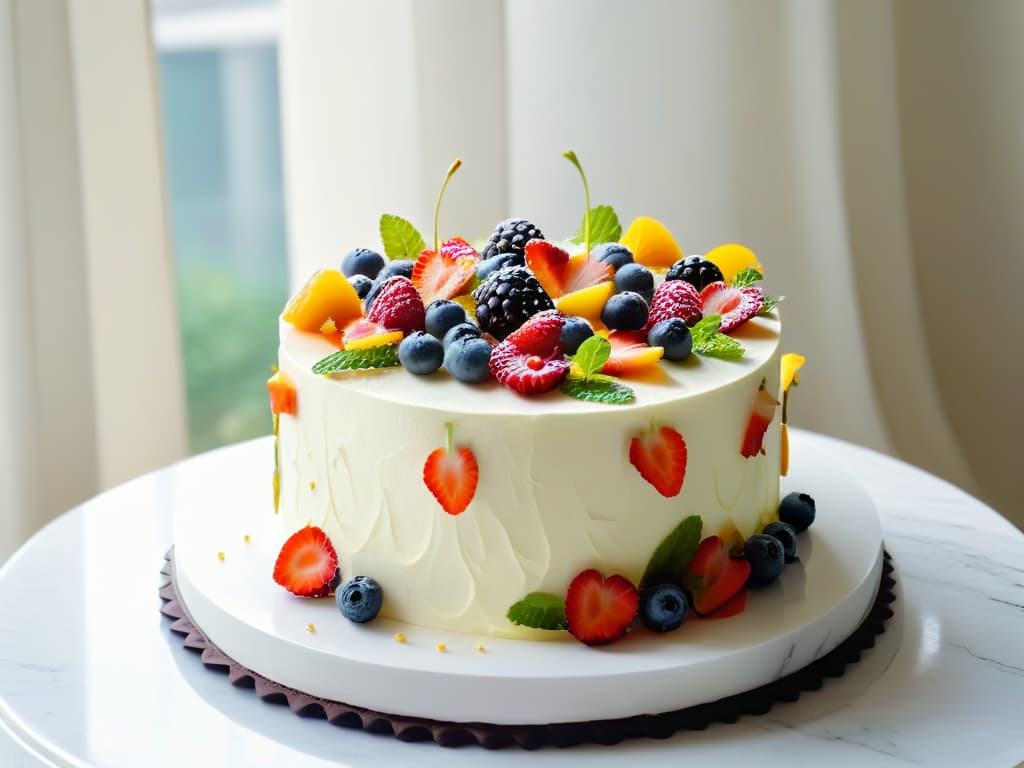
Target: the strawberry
pixel 631 354
pixel 398 306
pixel 675 298
pixel 282 394
pixel 600 610
pixel 559 273
pixel 719 580
pixel 761 416
pixel 447 272
pixel 660 456
pixel 307 564
pixel 451 474
pixel 530 360
pixel 735 305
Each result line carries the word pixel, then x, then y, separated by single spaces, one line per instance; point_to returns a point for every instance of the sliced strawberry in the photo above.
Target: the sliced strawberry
pixel 559 273
pixel 719 578
pixel 282 394
pixel 600 610
pixel 307 563
pixel 761 416
pixel 631 354
pixel 398 306
pixel 363 334
pixel 660 456
pixel 675 298
pixel 451 474
pixel 733 606
pixel 735 305
pixel 447 272
pixel 530 360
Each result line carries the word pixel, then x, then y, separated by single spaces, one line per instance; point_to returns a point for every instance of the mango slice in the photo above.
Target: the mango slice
pixel 651 243
pixel 327 295
pixel 587 302
pixel 791 363
pixel 282 394
pixel 733 258
pixel 377 340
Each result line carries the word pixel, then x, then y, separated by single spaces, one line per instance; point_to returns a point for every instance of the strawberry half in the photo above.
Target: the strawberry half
pixel 660 456
pixel 447 272
pixel 631 354
pixel 307 563
pixel 398 306
pixel 530 360
pixel 719 579
pixel 675 298
pixel 761 416
pixel 735 305
pixel 559 273
pixel 451 474
pixel 600 610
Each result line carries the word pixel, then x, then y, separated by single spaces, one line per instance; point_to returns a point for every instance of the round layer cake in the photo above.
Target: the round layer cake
pixel 559 489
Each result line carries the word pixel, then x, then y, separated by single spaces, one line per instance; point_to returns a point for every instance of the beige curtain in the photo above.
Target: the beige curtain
pixel 869 150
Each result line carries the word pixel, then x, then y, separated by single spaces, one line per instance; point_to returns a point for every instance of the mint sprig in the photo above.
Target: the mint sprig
pixel 708 342
pixel 400 238
pixel 585 380
pixel 591 356
pixel 746 278
pixel 540 610
pixel 769 303
pixel 604 226
pixel 384 356
pixel 670 560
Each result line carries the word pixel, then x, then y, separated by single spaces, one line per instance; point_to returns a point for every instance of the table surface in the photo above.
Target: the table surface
pixel 90 675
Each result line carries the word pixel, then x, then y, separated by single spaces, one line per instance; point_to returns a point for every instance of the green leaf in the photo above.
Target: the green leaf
pixel 540 610
pixel 746 278
pixel 770 303
pixel 592 355
pixel 669 562
pixel 598 389
pixel 604 226
pixel 401 239
pixel 705 328
pixel 384 356
pixel 708 342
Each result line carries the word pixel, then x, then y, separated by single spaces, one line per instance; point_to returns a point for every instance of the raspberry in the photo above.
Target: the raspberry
pixel 530 361
pixel 675 298
pixel 507 299
pixel 398 306
pixel 510 237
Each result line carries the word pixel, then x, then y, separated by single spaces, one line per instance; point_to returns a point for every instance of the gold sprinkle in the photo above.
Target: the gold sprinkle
pixel 220 556
pixel 440 648
pixel 399 637
pixel 480 647
pixel 311 628
pixel 246 538
pixel 312 485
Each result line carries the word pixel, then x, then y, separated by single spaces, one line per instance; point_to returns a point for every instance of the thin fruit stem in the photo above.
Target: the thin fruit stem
pixel 571 157
pixel 437 209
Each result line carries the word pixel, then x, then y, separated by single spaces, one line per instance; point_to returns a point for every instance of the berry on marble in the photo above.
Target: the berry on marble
pixel 360 600
pixel 797 509
pixel 766 557
pixel 663 607
pixel 786 535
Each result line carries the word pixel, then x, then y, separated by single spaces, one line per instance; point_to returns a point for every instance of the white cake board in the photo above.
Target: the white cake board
pixel 814 606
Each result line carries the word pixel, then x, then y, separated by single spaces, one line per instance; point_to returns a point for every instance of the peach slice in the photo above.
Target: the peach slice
pixel 587 302
pixel 791 363
pixel 732 258
pixel 282 394
pixel 327 295
pixel 651 243
pixel 631 354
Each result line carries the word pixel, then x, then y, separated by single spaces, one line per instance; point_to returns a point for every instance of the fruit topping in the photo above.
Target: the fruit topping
pixel 467 357
pixel 364 334
pixel 625 311
pixel 786 534
pixel 530 360
pixel 696 270
pixel 421 353
pixel 651 242
pixel 797 509
pixel 719 578
pixel 761 416
pixel 615 255
pixel 460 331
pixel 676 298
pixel 327 295
pixel 659 454
pixel 398 306
pixel 360 599
pixel 540 610
pixel 663 607
pixel 507 299
pixel 559 273
pixel 451 474
pixel 398 268
pixel 766 556
pixel 586 303
pixel 637 278
pixel 307 564
pixel 631 355
pixel 673 336
pixel 362 285
pixel 599 610
pixel 442 315
pixel 447 272
pixel 791 363
pixel 575 330
pixel 282 394
pixel 362 261
pixel 731 259
pixel 735 305
pixel 509 239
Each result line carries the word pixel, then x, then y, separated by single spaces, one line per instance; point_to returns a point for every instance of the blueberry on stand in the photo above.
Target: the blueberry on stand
pixel 786 535
pixel 360 599
pixel 663 608
pixel 797 509
pixel 766 557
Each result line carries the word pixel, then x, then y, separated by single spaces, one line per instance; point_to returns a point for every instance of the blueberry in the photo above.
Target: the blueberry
pixel 493 264
pixel 360 599
pixel 468 359
pixel 575 330
pixel 402 267
pixel 786 534
pixel 443 315
pixel 460 331
pixel 420 353
pixel 797 509
pixel 612 253
pixel 362 261
pixel 674 335
pixel 766 557
pixel 625 312
pixel 636 278
pixel 362 284
pixel 663 607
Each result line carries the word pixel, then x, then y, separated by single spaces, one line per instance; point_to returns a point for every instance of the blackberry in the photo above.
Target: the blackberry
pixel 695 270
pixel 510 237
pixel 507 299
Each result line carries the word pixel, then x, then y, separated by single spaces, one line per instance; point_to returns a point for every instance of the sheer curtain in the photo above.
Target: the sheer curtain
pixel 827 135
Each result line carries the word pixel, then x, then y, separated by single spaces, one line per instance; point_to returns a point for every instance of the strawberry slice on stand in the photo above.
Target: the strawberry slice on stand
pixel 760 417
pixel 659 454
pixel 717 580
pixel 599 610
pixel 307 563
pixel 451 474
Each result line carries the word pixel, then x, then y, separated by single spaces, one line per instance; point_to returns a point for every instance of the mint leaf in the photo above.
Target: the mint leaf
pixel 708 342
pixel 746 278
pixel 592 355
pixel 604 226
pixel 384 356
pixel 598 389
pixel 401 239
pixel 540 610
pixel 770 303
pixel 669 562
pixel 705 329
